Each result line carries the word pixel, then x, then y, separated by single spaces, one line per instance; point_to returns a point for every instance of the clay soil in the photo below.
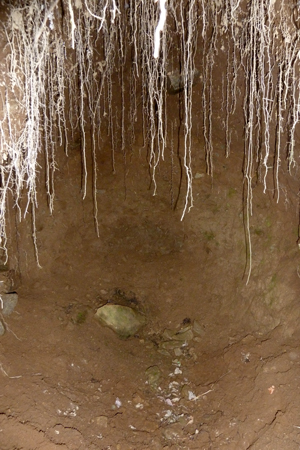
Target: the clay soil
pixel 68 383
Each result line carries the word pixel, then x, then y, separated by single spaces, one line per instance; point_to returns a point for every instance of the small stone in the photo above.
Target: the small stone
pixel 185 391
pixel 8 303
pixel 153 374
pixel 123 320
pixel 193 354
pixel 173 432
pixel 2 328
pixel 184 335
pixel 188 393
pixel 198 328
pixel 199 175
pixel 137 399
pixel 102 421
pixel 170 345
pixel 163 352
pixel 168 334
pixel 177 351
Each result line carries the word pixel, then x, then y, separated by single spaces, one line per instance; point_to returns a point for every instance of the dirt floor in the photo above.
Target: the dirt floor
pixel 69 383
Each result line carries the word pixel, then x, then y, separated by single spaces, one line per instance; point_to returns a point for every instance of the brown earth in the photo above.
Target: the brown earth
pixel 68 383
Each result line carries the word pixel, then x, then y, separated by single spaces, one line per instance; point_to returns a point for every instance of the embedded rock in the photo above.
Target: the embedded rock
pixel 8 302
pixel 124 321
pixel 153 374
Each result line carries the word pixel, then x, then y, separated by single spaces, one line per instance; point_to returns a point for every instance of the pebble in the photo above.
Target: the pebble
pixel 184 336
pixel 185 391
pixel 9 302
pixel 170 345
pixel 198 328
pixel 153 374
pixel 138 400
pixel 192 353
pixel 175 339
pixel 146 426
pixel 177 351
pixel 101 421
pixel 173 432
pixel 164 352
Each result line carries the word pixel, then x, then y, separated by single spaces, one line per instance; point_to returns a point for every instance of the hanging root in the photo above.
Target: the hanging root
pixel 66 61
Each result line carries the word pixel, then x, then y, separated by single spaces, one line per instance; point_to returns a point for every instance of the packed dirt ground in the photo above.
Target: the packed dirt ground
pixel 69 383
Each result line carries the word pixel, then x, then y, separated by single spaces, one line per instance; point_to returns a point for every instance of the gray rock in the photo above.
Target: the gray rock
pixel 198 328
pixel 153 374
pixel 122 320
pixel 177 352
pixel 184 335
pixel 8 302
